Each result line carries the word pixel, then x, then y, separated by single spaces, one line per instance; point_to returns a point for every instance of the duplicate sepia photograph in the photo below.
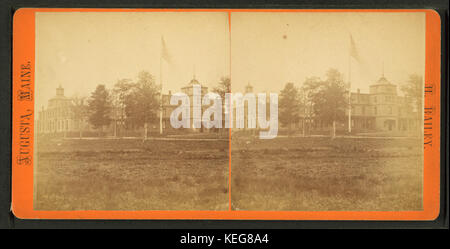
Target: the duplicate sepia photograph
pixel 104 84
pixel 350 107
pixel 251 111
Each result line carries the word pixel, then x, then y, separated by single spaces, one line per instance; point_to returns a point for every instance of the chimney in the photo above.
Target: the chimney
pixel 59 91
pixel 248 88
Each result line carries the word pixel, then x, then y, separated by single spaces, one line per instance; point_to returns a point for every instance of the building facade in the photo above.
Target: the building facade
pixel 382 109
pixel 167 108
pixel 58 117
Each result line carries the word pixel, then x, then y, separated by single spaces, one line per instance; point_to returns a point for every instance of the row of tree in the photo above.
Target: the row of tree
pixel 132 104
pixel 318 99
pixel 129 104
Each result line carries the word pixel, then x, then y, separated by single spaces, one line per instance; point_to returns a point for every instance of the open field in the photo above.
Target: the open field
pixel 297 173
pixel 129 174
pixel 286 173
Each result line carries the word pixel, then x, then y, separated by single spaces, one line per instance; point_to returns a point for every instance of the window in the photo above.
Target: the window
pixel 375 110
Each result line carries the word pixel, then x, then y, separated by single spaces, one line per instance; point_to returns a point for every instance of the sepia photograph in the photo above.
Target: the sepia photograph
pixel 104 84
pixel 229 111
pixel 350 110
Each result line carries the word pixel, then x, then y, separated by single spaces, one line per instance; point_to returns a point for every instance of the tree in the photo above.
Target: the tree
pixel 289 105
pixel 121 90
pixel 223 87
pixel 143 102
pixel 329 101
pixel 414 91
pixel 79 112
pixel 99 107
pixel 309 88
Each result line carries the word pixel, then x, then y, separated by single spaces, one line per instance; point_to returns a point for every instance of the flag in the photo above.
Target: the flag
pixel 353 51
pixel 165 52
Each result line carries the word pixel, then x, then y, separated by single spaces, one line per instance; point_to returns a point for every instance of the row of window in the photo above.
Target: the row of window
pixel 54 125
pixel 53 113
pixel 388 110
pixel 375 99
pixel 385 99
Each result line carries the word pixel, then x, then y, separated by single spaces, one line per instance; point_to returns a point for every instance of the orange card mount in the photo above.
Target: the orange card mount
pixel 33 198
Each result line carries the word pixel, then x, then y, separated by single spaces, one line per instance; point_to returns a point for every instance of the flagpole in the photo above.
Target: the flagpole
pixel 349 95
pixel 160 94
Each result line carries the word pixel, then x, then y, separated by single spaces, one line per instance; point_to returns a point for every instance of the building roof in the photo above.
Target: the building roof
pixel 383 81
pixel 59 98
pixel 59 94
pixel 194 82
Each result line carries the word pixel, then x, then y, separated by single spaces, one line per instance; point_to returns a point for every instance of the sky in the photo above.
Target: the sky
pixel 271 49
pixel 79 50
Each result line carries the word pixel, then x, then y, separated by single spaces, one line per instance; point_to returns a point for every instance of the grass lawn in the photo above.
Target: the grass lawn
pixel 296 173
pixel 131 175
pixel 288 173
